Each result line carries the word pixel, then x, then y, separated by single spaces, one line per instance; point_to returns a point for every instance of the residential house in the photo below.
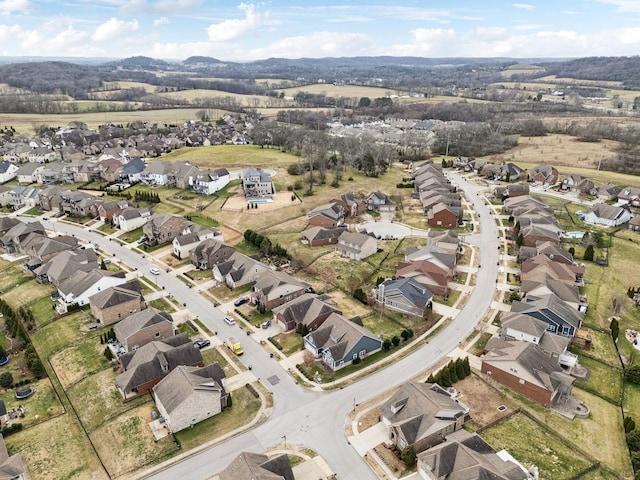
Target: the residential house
pixel 608 192
pixel 466 455
pixel 422 415
pixel 210 252
pixel 145 367
pixel 404 295
pixel 156 173
pixel 163 228
pixel 23 196
pixel 578 183
pixel 42 249
pixel 532 235
pixel 43 155
pixel 239 270
pixel 5 196
pixel 446 242
pixel 329 215
pixel 353 205
pixel 544 174
pixel 141 327
pixel 17 153
pixel 109 169
pixel 7 223
pixel 131 172
pixel 116 303
pixel 526 203
pixel 356 246
pixel 340 341
pixel 442 215
pixel 608 215
pixel 189 395
pixel 130 218
pixel 183 244
pixel 529 371
pixel 13 467
pixel 63 265
pixel 634 223
pixel 560 317
pixel 49 198
pixel 17 237
pixel 107 210
pixel 380 202
pixel 81 285
pixel 51 173
pixel 318 236
pixel 257 183
pixel 181 174
pixel 306 311
pixel 79 204
pixel 629 196
pixel 8 171
pixel 273 288
pixel 509 191
pixel 430 273
pixel 209 182
pixel 256 466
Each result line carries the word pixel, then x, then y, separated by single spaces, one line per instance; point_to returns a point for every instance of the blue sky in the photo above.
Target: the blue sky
pixel 244 31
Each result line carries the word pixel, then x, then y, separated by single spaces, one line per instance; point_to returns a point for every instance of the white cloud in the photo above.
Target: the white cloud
pixel 523 6
pixel 159 7
pixel 317 45
pixel 161 21
pixel 624 6
pixel 114 28
pixel 237 27
pixel 7 7
pixel 572 12
pixel 528 26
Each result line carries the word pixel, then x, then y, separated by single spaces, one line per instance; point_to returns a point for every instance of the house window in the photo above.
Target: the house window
pixel 157 334
pixel 355 355
pixel 521 381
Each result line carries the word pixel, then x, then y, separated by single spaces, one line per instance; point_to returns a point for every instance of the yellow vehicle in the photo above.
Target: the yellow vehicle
pixel 234 346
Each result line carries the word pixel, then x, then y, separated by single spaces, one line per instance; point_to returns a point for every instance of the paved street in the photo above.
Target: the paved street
pixel 300 416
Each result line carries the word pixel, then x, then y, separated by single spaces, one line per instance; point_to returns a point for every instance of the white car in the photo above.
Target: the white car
pixel 229 320
pixel 155 270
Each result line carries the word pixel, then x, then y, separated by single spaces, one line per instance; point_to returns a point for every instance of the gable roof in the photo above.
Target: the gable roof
pixel 414 292
pixel 117 295
pixel 183 380
pixel 306 308
pixel 139 320
pixel 550 306
pixel 255 466
pixel 81 281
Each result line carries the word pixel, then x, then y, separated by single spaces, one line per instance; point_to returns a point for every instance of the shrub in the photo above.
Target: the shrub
pixel 6 379
pixel 409 456
pixel 253 391
pixel 386 344
pixel 356 361
pixel 395 340
pixel 632 374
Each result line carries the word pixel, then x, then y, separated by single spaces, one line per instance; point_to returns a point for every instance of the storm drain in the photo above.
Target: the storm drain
pixel 273 380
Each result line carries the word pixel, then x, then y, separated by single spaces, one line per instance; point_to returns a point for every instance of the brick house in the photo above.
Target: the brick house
pixel 309 310
pixel 116 303
pixel 318 236
pixel 442 215
pixel 162 228
pixel 209 253
pixel 329 215
pixel 273 289
pixel 143 327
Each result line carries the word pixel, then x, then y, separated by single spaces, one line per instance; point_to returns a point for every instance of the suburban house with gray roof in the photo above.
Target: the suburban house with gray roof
pixel 308 309
pixel 329 215
pixel 318 236
pixel 422 415
pixel 404 295
pixel 16 239
pixel 256 466
pixel 239 270
pixel 12 467
pixel 257 183
pixel 189 395
pixel 27 173
pixel 131 218
pixel 131 171
pixel 210 252
pixel 356 246
pixel 5 196
pixel 142 327
pixel 634 223
pixel 526 369
pixel 63 265
pixel 209 182
pixel 273 288
pixel 164 227
pixel 156 173
pixel 143 368
pixel 116 303
pixel 466 455
pixel 557 314
pixel 77 289
pixel 183 244
pixel 607 215
pixel 339 341
pixel 7 171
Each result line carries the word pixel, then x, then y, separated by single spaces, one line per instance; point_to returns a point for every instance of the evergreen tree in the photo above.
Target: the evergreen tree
pixel 453 374
pixel 467 367
pixel 445 377
pixel 589 253
pixel 460 372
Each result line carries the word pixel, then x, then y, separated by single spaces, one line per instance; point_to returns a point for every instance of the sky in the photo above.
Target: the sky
pixel 244 31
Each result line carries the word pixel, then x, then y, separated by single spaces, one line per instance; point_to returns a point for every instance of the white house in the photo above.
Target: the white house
pixel 7 171
pixel 209 182
pixel 81 285
pixel 27 173
pixel 156 173
pixel 131 218
pixel 183 244
pixel 607 215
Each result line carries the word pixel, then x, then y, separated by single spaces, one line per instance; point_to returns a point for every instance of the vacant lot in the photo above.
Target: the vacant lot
pixel 75 363
pixel 483 401
pixel 57 449
pixel 527 441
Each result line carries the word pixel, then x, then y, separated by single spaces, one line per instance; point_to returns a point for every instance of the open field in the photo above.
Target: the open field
pixel 78 361
pixel 349 91
pixel 52 455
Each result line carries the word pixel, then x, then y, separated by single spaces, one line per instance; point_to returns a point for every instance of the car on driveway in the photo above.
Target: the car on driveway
pixel 201 343
pixel 229 320
pixel 155 270
pixel 266 324
pixel 241 301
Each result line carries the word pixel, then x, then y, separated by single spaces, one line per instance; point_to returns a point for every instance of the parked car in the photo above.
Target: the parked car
pixel 201 342
pixel 155 271
pixel 58 215
pixel 266 324
pixel 107 261
pixel 229 320
pixel 241 301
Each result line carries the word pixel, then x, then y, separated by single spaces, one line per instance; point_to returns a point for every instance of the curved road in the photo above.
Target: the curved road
pixel 300 416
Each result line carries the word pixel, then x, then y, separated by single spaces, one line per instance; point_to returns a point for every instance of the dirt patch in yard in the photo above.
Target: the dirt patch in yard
pixel 280 200
pixel 483 400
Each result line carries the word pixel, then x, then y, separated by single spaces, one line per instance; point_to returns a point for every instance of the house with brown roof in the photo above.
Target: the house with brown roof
pixel 275 288
pixel 131 218
pixel 466 455
pixel 116 303
pixel 339 341
pixel 256 466
pixel 318 236
pixel 308 310
pixel 164 227
pixel 422 415
pixel 544 174
pixel 608 191
pixel 356 246
pixel 441 215
pixel 629 196
pixel 329 215
pixel 353 205
pixel 634 223
pixel 145 367
pixel 529 371
pixel 434 277
pixel 107 210
pixel 183 244
pixel 534 234
pixel 188 395
pixel 210 252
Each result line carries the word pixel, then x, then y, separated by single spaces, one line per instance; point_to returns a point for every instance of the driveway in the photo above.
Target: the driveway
pixel 386 229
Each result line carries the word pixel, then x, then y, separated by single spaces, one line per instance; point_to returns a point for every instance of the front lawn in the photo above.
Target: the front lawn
pixel 132 236
pixel 162 305
pixel 289 343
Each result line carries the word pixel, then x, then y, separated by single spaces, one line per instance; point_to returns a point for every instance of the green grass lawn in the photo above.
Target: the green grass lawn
pixel 41 406
pixel 631 400
pixel 602 347
pixel 530 444
pixel 132 236
pixel 290 342
pixel 604 379
pixel 162 305
pixel 61 334
pixel 79 360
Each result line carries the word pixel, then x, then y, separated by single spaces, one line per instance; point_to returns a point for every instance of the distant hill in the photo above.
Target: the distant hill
pixel 201 60
pixel 139 62
pixel 612 69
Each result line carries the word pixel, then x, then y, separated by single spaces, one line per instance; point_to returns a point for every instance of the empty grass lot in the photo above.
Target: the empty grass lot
pixel 605 379
pixel 79 361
